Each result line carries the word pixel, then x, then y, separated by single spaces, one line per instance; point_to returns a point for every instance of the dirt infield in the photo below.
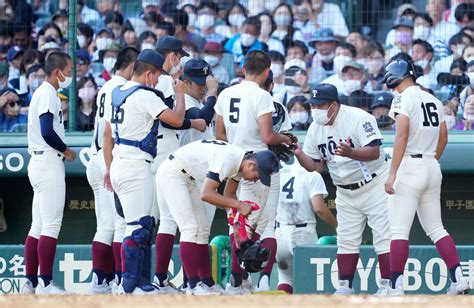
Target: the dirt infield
pixel 19 301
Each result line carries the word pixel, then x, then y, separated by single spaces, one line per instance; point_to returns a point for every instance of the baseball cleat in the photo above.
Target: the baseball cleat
pixel 217 288
pixel 99 288
pixel 263 284
pixel 50 289
pixel 398 291
pixel 147 289
pixel 202 289
pixel 230 290
pixel 383 288
pixel 344 288
pixel 28 288
pixel 459 287
pixel 166 287
pixel 114 287
pixel 247 286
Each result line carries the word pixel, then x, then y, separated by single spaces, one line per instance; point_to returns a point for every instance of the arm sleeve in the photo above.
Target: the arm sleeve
pixel 186 123
pixel 206 113
pixel 48 133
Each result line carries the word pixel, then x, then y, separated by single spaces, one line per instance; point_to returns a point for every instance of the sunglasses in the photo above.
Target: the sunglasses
pixel 12 104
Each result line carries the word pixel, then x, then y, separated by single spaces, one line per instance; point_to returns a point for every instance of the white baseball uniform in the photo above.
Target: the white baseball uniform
pixel 240 106
pixel 110 226
pixel 192 134
pixel 46 167
pixel 181 179
pixel 130 172
pixel 367 199
pixel 418 183
pixel 296 223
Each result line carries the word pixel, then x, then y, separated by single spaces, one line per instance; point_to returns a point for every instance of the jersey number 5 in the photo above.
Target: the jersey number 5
pixel 289 188
pixel 234 110
pixel 430 116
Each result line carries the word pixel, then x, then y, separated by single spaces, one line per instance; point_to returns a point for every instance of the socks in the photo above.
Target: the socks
pixel 102 256
pixel 163 251
pixel 116 248
pixel 285 287
pixel 190 263
pixel 204 268
pixel 447 249
pixel 347 264
pixel 398 258
pixel 384 265
pixel 271 244
pixel 31 260
pixel 46 253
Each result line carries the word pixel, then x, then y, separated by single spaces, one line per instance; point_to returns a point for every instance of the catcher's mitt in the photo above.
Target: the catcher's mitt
pixel 284 152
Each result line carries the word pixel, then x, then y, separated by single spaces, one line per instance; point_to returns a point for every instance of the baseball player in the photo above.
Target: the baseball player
pixel 168 142
pixel 137 107
pixel 414 182
pixel 192 175
pixel 46 173
pixel 302 194
pixel 244 118
pixel 110 226
pixel 348 141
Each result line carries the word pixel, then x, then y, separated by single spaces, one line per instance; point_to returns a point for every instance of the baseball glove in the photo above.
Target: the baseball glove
pixel 284 152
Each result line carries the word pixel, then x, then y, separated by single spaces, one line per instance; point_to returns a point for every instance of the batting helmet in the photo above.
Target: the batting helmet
pixel 397 71
pixel 252 256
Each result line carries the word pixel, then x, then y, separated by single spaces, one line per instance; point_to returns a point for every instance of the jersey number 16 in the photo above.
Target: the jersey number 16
pixel 430 114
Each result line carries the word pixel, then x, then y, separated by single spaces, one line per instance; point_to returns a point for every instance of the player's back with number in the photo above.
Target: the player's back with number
pixel 425 113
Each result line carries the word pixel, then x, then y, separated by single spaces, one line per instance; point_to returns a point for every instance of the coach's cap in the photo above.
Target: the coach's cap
pixel 197 70
pixel 267 166
pixel 169 42
pixel 383 99
pixel 152 57
pixel 323 93
pixel 14 52
pixel 404 22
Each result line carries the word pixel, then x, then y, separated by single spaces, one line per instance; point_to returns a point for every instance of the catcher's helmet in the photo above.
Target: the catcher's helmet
pixel 397 71
pixel 252 256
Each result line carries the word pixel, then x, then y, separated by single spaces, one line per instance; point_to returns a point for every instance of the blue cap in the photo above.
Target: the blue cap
pixel 152 57
pixel 404 22
pixel 323 93
pixel 323 35
pixel 169 42
pixel 83 56
pixel 267 166
pixel 383 99
pixel 105 29
pixel 14 52
pixel 197 70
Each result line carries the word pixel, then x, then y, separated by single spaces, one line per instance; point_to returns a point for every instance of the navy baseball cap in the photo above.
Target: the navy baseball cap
pixel 197 70
pixel 14 52
pixel 404 22
pixel 105 29
pixel 267 166
pixel 169 42
pixel 83 56
pixel 323 93
pixel 152 57
pixel 383 99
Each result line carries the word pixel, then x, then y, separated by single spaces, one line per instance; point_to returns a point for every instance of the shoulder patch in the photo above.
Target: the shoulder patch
pixel 369 129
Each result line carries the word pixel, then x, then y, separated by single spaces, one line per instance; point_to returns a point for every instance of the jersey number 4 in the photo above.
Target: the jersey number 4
pixel 234 110
pixel 289 188
pixel 430 115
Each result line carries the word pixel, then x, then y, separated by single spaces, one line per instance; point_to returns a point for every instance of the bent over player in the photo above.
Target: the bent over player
pixel 46 173
pixel 414 183
pixel 137 107
pixel 348 140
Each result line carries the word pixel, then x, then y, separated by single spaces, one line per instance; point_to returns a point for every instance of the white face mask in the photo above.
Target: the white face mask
pixel 294 90
pixel 176 68
pixel 421 32
pixel 67 81
pixel 298 117
pixel 247 39
pixel 327 58
pixel 320 116
pixel 374 66
pixel 423 63
pixel 339 63
pixel 147 46
pixel 87 94
pixel 469 59
pixel 212 60
pixel 102 42
pixel 35 84
pixel 471 79
pixel 192 19
pixel 276 69
pixel 236 20
pixel 81 40
pixel 205 21
pixel 109 64
pixel 450 121
pixel 352 85
pixel 282 20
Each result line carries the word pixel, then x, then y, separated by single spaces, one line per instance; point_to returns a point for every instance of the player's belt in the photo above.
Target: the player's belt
pixel 416 155
pixel 355 186
pixel 42 152
pixel 277 224
pixel 171 157
pixel 162 136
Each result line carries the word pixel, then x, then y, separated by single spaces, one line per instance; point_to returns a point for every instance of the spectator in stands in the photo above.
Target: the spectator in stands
pixel 213 55
pixel 268 26
pixel 31 57
pixel 22 34
pixel 206 22
pixel 6 33
pixel 129 35
pixel 380 107
pixel 403 36
pixel 464 14
pixel 469 31
pixel 406 10
pixel 85 34
pixel 423 25
pixel 180 21
pixel 457 43
pixel 114 21
pixel 108 57
pixel 359 99
pixel 449 115
pixel 235 18
pixel 10 104
pixel 83 64
pixel 468 90
pixel 241 43
pixel 16 79
pixel 3 75
pixel 296 50
pixel 375 65
pixel 277 68
pixel 146 40
pixel 50 31
pixel 86 97
pixel 467 122
pixel 296 81
pixel 192 15
pixel 284 19
pixel 61 19
pixel 106 6
pixel 354 77
pixel 323 60
pixel 422 54
pixel 442 31
pixel 35 75
pixel 87 15
pixel 151 6
pixel 345 53
pixel 360 43
pixel 299 112
pixel 49 46
pixel 324 15
pixel 162 29
pixel 63 95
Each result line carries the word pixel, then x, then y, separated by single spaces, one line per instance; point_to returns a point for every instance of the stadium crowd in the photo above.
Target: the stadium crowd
pixel 309 42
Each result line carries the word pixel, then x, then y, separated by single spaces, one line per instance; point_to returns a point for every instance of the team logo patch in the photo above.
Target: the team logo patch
pixel 368 128
pixel 315 92
pixel 205 69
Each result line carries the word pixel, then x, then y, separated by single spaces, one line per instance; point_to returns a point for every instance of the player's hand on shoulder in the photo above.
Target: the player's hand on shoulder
pixel 212 85
pixel 344 149
pixel 199 124
pixel 69 154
